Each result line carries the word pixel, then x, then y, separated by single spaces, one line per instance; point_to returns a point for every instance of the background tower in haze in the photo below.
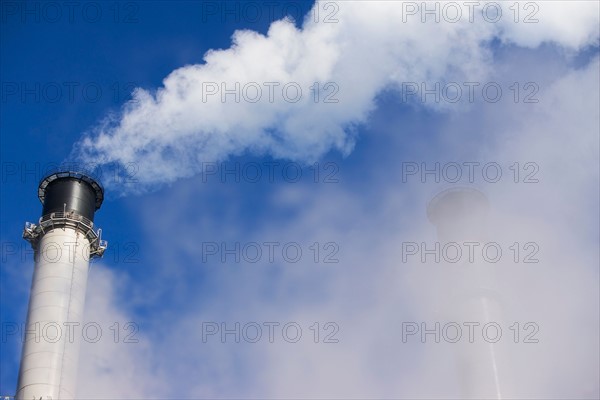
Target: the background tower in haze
pixel 460 216
pixel 64 241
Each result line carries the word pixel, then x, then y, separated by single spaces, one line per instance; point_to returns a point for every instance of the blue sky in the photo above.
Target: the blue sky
pixel 158 271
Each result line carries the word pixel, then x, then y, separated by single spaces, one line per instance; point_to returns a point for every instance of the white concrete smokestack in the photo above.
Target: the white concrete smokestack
pixel 64 241
pixel 460 216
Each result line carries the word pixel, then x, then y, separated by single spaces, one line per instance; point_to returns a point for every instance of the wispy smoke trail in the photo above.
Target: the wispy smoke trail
pixel 300 93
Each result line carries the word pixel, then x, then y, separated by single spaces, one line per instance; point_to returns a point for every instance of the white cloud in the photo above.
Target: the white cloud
pixel 374 46
pixel 119 362
pixel 572 24
pixel 371 292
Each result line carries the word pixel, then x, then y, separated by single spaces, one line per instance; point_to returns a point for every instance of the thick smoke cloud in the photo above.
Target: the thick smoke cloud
pixel 299 93
pixel 372 291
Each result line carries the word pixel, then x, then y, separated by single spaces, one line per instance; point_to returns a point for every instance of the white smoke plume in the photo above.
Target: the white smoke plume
pixel 298 93
pixel 372 291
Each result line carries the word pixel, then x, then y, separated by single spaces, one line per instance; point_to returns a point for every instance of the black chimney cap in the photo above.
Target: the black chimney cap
pixel 70 191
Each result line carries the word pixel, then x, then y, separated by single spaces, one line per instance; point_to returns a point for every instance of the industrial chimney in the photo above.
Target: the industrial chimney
pixel 460 216
pixel 63 240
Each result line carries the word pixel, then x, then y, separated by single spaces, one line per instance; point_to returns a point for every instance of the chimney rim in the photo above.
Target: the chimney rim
pixel 434 204
pixel 75 175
